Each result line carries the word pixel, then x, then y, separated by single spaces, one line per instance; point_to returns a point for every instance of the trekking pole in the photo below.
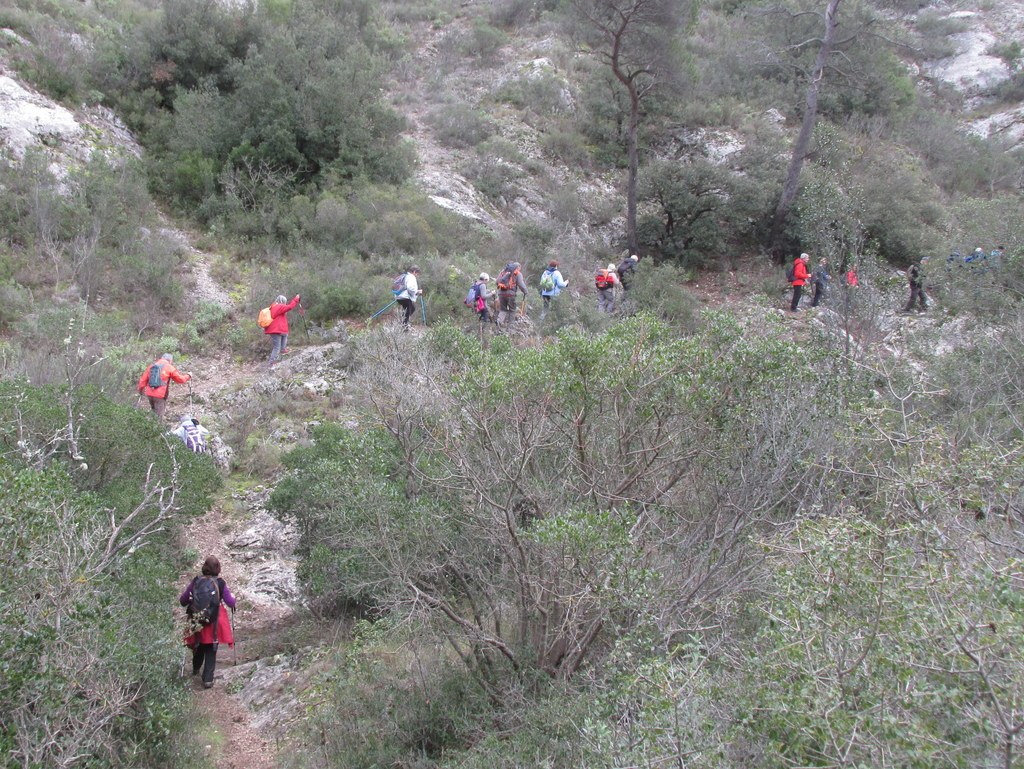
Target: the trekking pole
pixel 234 645
pixel 302 314
pixel 423 309
pixel 381 310
pixel 191 406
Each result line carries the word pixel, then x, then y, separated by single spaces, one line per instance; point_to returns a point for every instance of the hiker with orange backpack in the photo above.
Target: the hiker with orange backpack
pixel 278 326
pixel 155 382
pixel 510 282
pixel 605 281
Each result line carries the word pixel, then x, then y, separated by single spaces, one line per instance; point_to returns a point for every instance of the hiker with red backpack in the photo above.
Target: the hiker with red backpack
pixel 155 382
pixel 510 283
pixel 208 624
pixel 605 281
pixel 278 326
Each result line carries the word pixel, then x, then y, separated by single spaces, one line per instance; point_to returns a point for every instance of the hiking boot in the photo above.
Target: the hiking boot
pixel 286 350
pixel 207 684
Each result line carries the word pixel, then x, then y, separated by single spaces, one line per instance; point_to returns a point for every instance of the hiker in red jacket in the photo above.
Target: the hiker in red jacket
pixel 278 328
pixel 156 384
pixel 800 278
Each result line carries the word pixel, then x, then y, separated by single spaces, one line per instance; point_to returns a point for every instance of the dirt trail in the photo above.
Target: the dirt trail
pixel 231 743
pixel 248 562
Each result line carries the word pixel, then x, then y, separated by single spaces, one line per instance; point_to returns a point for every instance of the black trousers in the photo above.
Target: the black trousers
pixel 408 305
pixel 797 291
pixel 204 656
pixel 916 294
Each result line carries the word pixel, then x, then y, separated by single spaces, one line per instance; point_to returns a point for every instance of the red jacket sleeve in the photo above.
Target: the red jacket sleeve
pixel 173 373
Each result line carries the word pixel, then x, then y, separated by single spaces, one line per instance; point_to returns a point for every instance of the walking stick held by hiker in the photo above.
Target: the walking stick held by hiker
pixel 302 314
pixel 234 646
pixel 423 308
pixel 191 406
pixel 382 310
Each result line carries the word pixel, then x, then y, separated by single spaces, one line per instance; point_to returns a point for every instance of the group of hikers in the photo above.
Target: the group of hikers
pixel 500 305
pixel 819 278
pixel 800 275
pixel 155 385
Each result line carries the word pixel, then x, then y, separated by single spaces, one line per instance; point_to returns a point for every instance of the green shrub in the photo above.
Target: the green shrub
pixel 459 125
pixel 482 42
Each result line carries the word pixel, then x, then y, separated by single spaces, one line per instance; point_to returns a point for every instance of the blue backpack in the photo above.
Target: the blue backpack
pixel 398 286
pixel 155 380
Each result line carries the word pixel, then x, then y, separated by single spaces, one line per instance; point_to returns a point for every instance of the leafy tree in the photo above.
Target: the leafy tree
pixel 635 39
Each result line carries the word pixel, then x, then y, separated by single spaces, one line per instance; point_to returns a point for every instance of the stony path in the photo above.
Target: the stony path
pixel 255 555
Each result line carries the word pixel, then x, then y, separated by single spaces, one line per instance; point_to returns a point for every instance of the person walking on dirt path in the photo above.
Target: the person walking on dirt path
pixel 510 283
pixel 407 296
pixel 551 285
pixel 155 383
pixel 915 281
pixel 192 434
pixel 484 297
pixel 209 625
pixel 820 278
pixel 799 280
pixel 626 271
pixel 605 281
pixel 278 328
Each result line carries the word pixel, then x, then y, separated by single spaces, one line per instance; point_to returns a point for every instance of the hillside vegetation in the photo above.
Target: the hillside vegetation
pixel 697 532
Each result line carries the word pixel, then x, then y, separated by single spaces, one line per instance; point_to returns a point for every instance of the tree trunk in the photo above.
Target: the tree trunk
pixel 803 140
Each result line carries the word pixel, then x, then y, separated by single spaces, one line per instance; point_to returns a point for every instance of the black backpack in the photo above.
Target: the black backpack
pixel 791 273
pixel 154 375
pixel 205 603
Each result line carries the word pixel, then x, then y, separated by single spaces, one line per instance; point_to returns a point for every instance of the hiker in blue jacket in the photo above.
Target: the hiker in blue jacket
pixel 551 284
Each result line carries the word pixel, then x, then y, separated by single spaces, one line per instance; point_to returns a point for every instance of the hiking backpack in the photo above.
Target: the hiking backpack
pixel 472 295
pixel 155 380
pixel 398 284
pixel 603 280
pixel 205 603
pixel 547 280
pixel 264 319
pixel 507 278
pixel 194 438
pixel 791 273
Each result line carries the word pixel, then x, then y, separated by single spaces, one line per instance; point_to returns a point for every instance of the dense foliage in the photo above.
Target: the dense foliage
pixel 89 493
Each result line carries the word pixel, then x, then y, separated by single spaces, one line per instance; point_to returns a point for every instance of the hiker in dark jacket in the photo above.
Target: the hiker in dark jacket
pixel 203 641
pixel 626 270
pixel 278 328
pixel 820 278
pixel 510 283
pixel 915 280
pixel 158 394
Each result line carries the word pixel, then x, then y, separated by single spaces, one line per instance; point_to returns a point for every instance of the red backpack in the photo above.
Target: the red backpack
pixel 507 279
pixel 604 279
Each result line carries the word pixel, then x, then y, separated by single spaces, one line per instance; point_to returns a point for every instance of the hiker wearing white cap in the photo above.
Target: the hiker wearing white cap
pixel 799 276
pixel 627 267
pixel 605 281
pixel 482 297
